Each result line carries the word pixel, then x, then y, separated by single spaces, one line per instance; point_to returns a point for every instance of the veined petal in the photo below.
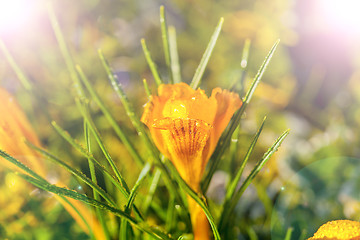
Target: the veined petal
pixel 185 140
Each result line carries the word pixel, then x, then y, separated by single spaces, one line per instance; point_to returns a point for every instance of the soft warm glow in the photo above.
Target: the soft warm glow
pixel 342 14
pixel 15 14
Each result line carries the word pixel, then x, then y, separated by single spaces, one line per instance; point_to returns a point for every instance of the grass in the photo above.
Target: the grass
pixel 159 186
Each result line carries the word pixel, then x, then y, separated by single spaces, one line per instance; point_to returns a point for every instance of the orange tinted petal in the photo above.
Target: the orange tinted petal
pixel 185 139
pixel 339 229
pixel 227 104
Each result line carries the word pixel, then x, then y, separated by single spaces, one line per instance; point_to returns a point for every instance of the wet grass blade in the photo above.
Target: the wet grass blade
pixel 21 166
pixel 98 139
pixel 232 187
pixel 86 154
pixel 174 56
pixel 129 146
pixel 205 58
pixel 74 172
pixel 153 186
pixel 65 52
pixel 124 226
pixel 90 201
pixel 135 120
pixel 146 87
pixel 228 208
pixel 226 136
pixel 165 40
pixel 151 63
pixel 96 194
pixel 19 73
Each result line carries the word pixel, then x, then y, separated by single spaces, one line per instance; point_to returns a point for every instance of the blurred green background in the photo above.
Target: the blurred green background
pixel 311 86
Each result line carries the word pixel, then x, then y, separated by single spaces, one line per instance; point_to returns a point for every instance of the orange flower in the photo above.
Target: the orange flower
pixel 338 230
pixel 186 125
pixel 14 128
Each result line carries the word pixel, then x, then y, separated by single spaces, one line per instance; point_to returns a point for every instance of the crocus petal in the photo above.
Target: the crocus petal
pixel 227 104
pixel 339 229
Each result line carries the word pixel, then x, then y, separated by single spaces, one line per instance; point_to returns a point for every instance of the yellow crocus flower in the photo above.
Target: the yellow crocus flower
pixel 338 230
pixel 186 125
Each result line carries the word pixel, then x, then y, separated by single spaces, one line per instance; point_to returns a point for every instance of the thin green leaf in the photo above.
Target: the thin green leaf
pixel 199 199
pixel 19 73
pixel 151 63
pixel 245 54
pixel 98 139
pixel 165 40
pixel 260 73
pixel 99 213
pixel 65 52
pixel 243 66
pixel 235 198
pixel 205 58
pixel 21 166
pixel 226 136
pixel 74 172
pixel 86 154
pixel 39 179
pixel 144 172
pixel 146 87
pixel 174 56
pixel 170 216
pixel 129 146
pixel 135 120
pixel 289 233
pixel 90 201
pixel 232 187
pixel 123 227
pixel 153 186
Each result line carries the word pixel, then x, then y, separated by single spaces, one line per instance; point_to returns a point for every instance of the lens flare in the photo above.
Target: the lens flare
pixel 15 14
pixel 342 14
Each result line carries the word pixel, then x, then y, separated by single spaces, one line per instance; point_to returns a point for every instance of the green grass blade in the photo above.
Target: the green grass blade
pixel 153 186
pixel 260 73
pixel 19 73
pixel 243 66
pixel 21 166
pixel 289 233
pixel 199 199
pixel 165 40
pixel 245 54
pixel 151 63
pixel 146 87
pixel 129 146
pixel 174 56
pixel 205 58
pixel 65 52
pixel 131 199
pixel 98 139
pixel 135 120
pixel 235 199
pixel 99 213
pixel 232 187
pixel 226 136
pixel 90 201
pixel 86 154
pixel 74 172
pixel 144 172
